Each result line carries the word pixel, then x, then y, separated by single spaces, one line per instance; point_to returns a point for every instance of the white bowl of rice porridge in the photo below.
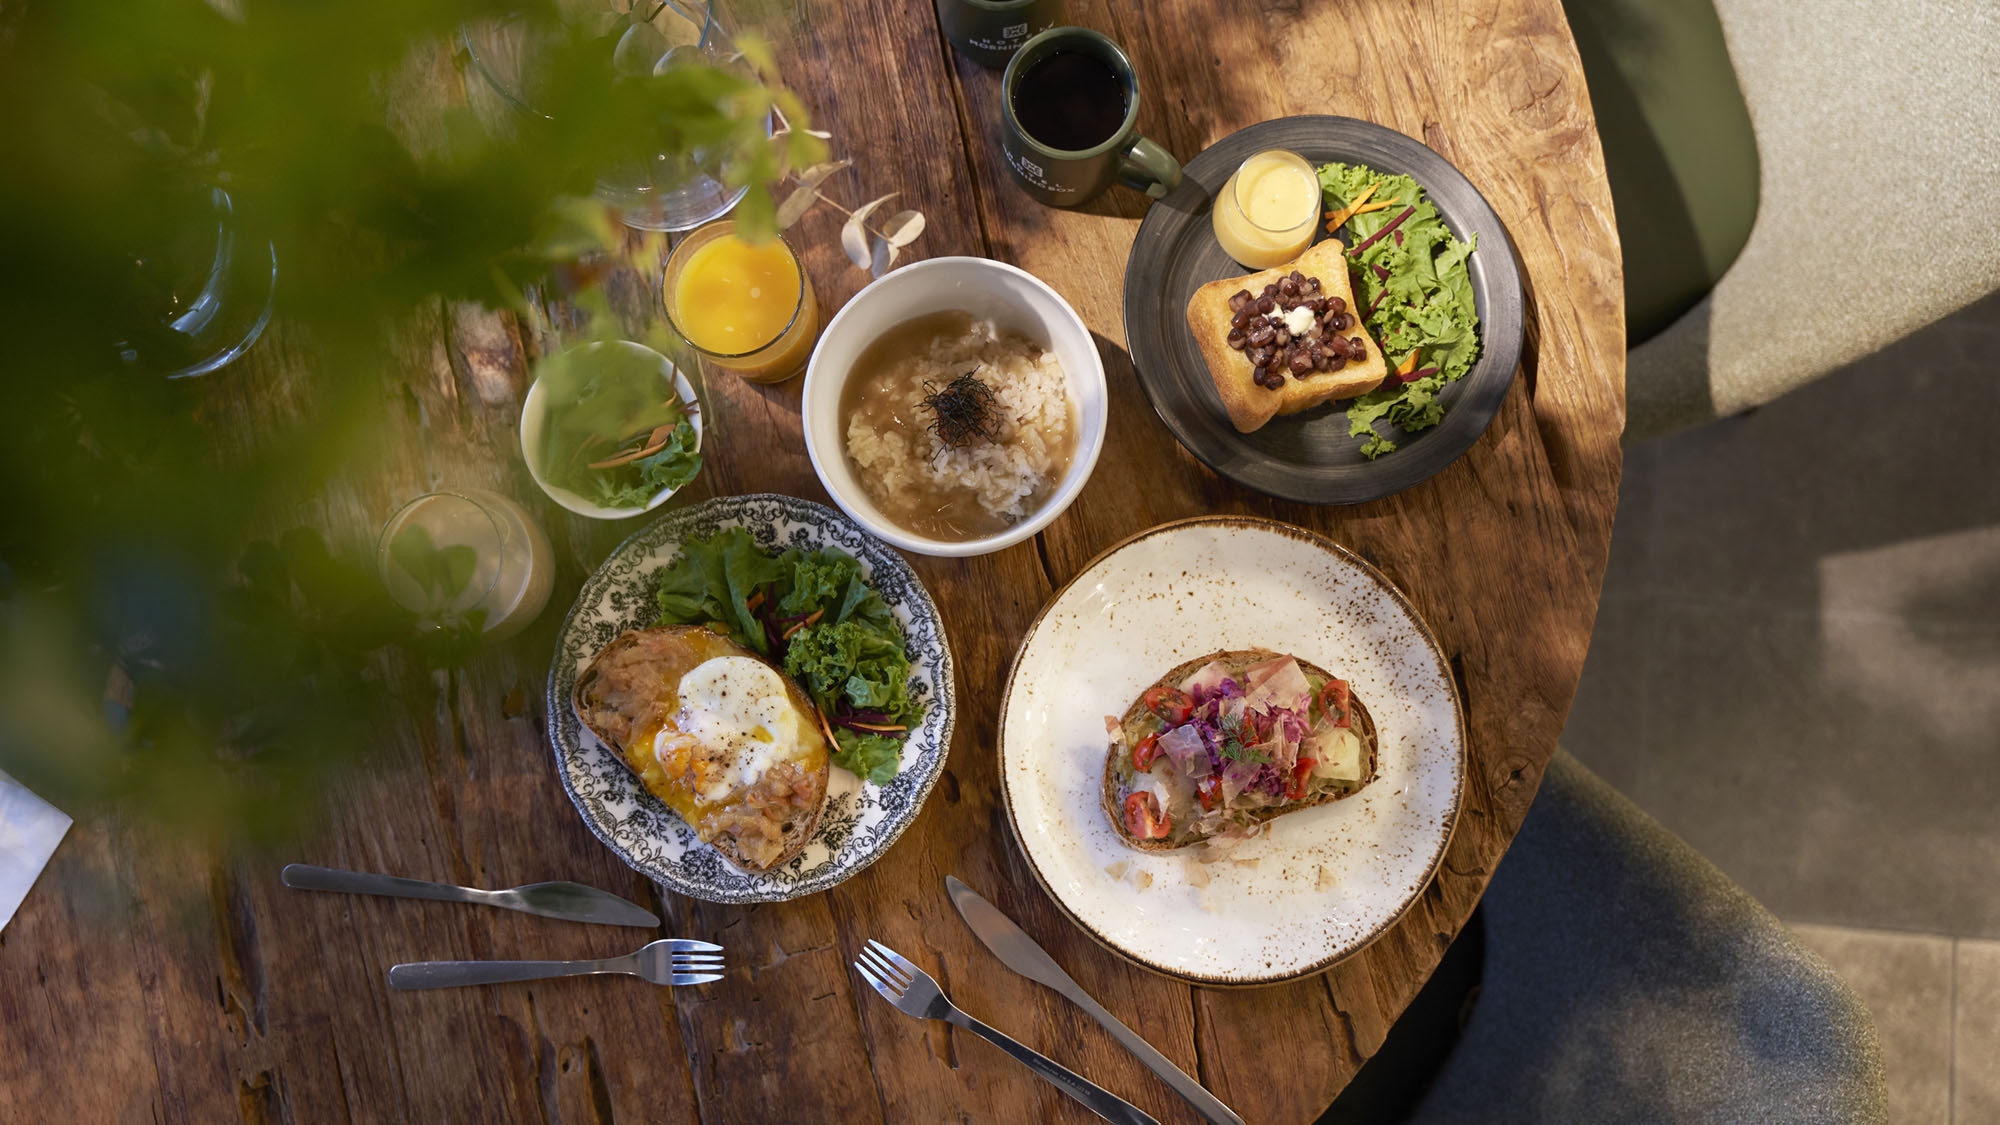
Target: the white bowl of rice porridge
pixel 955 406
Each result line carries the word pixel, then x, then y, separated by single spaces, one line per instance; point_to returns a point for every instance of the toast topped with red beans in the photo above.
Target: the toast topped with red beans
pixel 1286 339
pixel 1224 743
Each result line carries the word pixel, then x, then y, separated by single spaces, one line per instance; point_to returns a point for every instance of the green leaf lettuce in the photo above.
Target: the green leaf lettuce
pixel 1425 304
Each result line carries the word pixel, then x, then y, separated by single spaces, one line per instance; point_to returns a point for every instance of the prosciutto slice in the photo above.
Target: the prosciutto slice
pixel 1236 776
pixel 1283 749
pixel 1190 755
pixel 1205 680
pixel 1278 684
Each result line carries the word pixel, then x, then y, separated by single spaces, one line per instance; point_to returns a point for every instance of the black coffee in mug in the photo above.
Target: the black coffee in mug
pixel 1070 101
pixel 1070 121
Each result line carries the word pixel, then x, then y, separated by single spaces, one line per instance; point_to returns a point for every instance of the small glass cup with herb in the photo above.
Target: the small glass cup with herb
pixel 468 562
pixel 611 429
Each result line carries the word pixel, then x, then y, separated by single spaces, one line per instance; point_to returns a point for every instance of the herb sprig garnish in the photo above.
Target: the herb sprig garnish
pixel 1233 729
pixel 964 410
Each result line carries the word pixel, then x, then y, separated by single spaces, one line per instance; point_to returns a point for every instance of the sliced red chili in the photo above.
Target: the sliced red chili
pixel 1143 818
pixel 1146 753
pixel 1170 704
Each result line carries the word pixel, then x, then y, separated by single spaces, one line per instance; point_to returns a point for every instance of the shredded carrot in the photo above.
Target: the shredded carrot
pixel 753 601
pixel 878 727
pixel 793 631
pixel 645 447
pixel 613 462
pixel 1334 219
pixel 1408 365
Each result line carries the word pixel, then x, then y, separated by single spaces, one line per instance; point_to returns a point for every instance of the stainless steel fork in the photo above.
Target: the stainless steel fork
pixel 914 993
pixel 667 961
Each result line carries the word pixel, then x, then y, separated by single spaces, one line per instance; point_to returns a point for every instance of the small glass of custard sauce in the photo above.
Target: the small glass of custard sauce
pixel 1268 212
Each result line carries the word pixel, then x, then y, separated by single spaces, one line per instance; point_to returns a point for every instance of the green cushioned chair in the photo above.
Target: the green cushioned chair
pixel 1678 148
pixel 1798 184
pixel 1626 979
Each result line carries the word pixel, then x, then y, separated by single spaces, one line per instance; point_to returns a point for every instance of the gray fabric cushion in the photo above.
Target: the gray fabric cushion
pixel 1629 980
pixel 1878 147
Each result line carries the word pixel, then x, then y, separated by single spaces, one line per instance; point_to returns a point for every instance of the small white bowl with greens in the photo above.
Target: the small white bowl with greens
pixel 611 429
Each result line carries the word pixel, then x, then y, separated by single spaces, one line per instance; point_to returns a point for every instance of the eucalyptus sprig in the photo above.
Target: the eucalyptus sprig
pixel 871 248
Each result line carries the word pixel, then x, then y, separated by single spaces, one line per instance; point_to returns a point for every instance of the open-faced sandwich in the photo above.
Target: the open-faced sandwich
pixel 1224 743
pixel 715 731
pixel 1286 339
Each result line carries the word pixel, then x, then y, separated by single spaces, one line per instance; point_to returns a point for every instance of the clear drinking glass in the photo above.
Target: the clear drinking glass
pixel 209 285
pixel 660 192
pixel 446 555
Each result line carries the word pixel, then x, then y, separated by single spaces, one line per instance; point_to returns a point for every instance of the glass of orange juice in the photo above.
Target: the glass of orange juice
pixel 746 307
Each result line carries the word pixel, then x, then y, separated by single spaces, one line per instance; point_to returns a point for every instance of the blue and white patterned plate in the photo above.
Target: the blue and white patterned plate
pixel 861 819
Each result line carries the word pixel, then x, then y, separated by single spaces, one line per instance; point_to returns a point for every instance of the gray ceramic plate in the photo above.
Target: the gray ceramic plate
pixel 861 819
pixel 1309 456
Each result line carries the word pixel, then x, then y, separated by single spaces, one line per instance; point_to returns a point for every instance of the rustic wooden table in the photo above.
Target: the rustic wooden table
pixel 147 984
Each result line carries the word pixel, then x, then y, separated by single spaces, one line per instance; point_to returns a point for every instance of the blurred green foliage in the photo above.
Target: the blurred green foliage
pixel 165 648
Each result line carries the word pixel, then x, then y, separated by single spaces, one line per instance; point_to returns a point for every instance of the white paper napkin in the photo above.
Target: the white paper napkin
pixel 30 829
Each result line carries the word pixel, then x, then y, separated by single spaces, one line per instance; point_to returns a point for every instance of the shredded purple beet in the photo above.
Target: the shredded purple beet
pixel 1296 725
pixel 1379 271
pixel 858 718
pixel 1260 724
pixel 766 615
pixel 1393 224
pixel 1227 688
pixel 1268 780
pixel 1376 303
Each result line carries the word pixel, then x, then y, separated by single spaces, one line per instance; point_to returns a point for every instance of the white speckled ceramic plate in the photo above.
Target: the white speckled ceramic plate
pixel 1180 591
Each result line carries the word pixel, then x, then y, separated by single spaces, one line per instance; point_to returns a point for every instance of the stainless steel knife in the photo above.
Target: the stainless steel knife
pixel 1019 952
pixel 571 902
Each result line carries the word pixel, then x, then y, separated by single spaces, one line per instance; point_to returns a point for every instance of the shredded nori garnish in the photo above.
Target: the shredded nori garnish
pixel 964 410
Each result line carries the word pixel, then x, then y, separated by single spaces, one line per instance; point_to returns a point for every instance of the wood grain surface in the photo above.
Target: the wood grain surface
pixel 144 981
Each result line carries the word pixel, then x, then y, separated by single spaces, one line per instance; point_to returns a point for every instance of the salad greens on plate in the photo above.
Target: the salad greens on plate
pixel 1415 298
pixel 813 613
pixel 617 433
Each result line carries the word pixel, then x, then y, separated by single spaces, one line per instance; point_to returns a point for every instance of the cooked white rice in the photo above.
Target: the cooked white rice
pixel 1009 476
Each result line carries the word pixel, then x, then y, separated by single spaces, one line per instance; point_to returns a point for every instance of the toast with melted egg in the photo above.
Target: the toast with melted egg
pixel 1249 405
pixel 717 733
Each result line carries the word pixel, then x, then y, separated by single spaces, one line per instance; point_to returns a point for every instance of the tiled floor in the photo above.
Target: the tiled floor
pixel 1796 667
pixel 1906 981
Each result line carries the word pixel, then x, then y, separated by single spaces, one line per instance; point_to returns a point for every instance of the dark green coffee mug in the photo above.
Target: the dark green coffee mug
pixel 1088 139
pixel 989 31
